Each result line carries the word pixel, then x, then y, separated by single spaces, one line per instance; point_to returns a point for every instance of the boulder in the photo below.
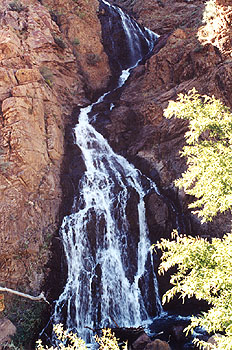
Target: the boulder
pixel 141 342
pixel 212 341
pixel 157 345
pixel 178 332
pixel 7 329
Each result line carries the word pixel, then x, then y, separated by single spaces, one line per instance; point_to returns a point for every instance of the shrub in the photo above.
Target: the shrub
pixel 59 41
pixel 92 59
pixel 76 41
pixel 108 341
pixel 27 316
pixel 47 75
pixel 16 6
pixel 70 341
pixel 208 152
pixel 204 270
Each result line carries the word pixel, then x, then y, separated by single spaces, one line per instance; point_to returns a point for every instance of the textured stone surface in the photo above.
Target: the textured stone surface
pixel 7 329
pixel 141 342
pixel 158 345
pixel 44 74
pixel 163 16
pixel 189 59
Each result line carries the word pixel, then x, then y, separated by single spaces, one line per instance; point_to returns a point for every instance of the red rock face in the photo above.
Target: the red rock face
pixel 187 60
pixel 47 68
pixel 218 27
pixel 52 60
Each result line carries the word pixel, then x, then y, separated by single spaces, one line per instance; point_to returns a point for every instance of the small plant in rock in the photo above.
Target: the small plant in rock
pixel 92 59
pixel 47 75
pixel 59 41
pixel 79 12
pixel 3 164
pixel 76 41
pixel 81 15
pixel 16 6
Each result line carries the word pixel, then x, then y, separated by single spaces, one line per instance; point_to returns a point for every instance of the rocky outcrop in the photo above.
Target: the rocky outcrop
pixel 218 18
pixel 164 16
pixel 145 343
pixel 51 59
pixel 7 329
pixel 137 127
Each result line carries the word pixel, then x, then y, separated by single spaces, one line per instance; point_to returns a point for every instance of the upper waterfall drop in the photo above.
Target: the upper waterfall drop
pixel 110 266
pixel 125 41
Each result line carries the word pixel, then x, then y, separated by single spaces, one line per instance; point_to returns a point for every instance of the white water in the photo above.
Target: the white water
pixel 134 34
pixel 107 263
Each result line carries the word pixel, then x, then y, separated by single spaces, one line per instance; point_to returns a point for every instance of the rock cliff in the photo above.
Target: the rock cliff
pixel 52 60
pixel 196 52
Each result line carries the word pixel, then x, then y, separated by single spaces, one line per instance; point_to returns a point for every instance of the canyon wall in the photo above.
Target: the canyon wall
pixel 196 40
pixel 52 61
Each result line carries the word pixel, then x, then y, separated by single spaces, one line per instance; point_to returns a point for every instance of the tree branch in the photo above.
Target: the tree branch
pixel 28 296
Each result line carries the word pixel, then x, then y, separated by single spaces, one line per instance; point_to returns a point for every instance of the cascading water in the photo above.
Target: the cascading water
pixel 110 266
pixel 125 41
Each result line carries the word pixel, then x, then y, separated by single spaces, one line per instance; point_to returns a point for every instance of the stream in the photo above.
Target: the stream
pixel 110 271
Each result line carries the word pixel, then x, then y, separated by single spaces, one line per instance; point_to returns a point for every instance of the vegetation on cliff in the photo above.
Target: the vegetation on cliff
pixel 204 268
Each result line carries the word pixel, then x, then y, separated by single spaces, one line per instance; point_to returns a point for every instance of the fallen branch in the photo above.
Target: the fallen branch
pixel 115 322
pixel 28 296
pixel 94 330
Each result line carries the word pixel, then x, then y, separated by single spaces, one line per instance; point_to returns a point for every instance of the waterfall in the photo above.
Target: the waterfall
pixel 110 266
pixel 125 41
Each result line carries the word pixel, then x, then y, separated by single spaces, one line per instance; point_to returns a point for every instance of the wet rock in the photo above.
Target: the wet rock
pixel 178 333
pixel 158 216
pixel 141 342
pixel 158 345
pixel 121 55
pixel 123 129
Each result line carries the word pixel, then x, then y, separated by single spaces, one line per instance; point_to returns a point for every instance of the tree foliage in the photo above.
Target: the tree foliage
pixel 70 341
pixel 204 270
pixel 65 340
pixel 208 152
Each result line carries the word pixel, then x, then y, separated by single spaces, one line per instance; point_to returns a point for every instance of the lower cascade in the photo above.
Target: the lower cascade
pixel 110 274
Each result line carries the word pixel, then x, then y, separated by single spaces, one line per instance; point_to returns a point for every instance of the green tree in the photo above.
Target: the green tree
pixel 70 341
pixel 208 152
pixel 203 268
